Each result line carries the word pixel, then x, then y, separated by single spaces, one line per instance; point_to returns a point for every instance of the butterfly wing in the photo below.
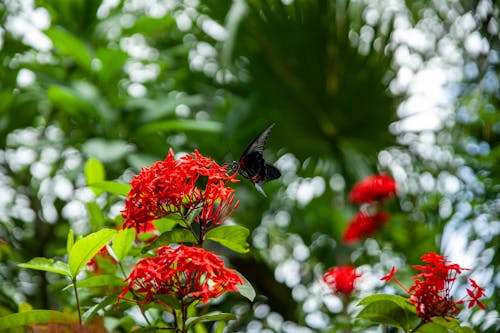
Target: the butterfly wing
pixel 252 164
pixel 259 142
pixel 272 172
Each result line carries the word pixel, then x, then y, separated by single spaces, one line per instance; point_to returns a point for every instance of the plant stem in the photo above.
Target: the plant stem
pixel 176 322
pixel 134 294
pixel 418 326
pixel 345 303
pixel 77 301
pixel 183 316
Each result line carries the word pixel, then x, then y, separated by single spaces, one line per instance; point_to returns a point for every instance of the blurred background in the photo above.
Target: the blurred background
pixel 410 88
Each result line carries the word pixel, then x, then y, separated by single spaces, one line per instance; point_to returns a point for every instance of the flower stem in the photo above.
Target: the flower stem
pixel 135 295
pixel 183 316
pixel 345 303
pixel 77 301
pixel 418 326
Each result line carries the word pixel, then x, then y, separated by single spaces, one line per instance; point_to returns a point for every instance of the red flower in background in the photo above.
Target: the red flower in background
pixel 185 186
pixel 431 292
pixel 341 279
pixel 364 225
pixel 101 256
pixel 188 273
pixel 373 188
pixel 475 293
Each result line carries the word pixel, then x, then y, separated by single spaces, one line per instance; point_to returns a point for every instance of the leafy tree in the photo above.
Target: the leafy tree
pixel 122 82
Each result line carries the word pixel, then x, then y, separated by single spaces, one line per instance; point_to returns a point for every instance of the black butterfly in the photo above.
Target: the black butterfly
pixel 252 165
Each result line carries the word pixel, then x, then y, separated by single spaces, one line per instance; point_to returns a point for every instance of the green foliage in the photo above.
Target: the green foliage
pixel 213 316
pixel 95 173
pixel 203 127
pixel 309 66
pixel 445 325
pixel 70 240
pixel 231 236
pixel 399 312
pixel 122 243
pixel 112 187
pixel 100 281
pixel 246 290
pixel 86 248
pixel 34 317
pixel 48 265
pixel 179 235
pixel 71 46
pixel 96 216
pixel 388 310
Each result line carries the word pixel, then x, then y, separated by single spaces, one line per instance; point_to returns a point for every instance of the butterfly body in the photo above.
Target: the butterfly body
pixel 252 164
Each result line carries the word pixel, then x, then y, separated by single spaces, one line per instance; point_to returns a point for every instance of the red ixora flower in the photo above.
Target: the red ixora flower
pixel 431 292
pixel 363 225
pixel 341 279
pixel 373 188
pixel 187 273
pixel 185 186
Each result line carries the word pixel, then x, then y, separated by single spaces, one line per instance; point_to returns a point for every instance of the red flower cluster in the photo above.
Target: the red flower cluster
pixel 187 273
pixel 373 188
pixel 191 184
pixel 431 291
pixel 341 279
pixel 364 225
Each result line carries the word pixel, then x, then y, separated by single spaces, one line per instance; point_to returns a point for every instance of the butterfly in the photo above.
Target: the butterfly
pixel 252 165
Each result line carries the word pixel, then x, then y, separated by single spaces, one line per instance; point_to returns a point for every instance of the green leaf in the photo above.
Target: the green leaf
pixel 104 280
pixel 96 217
pixel 70 101
pixel 90 313
pixel 166 223
pixel 48 265
pixel 246 289
pixel 164 107
pixel 112 61
pixel 86 248
pixel 113 187
pixel 179 235
pixel 147 25
pixel 94 173
pixel 220 327
pixel 234 17
pixel 399 300
pixel 122 243
pixel 6 250
pixel 440 324
pixel 212 316
pixel 388 309
pixel 108 151
pixel 69 45
pixel 192 215
pixel 184 125
pixel 34 317
pixel 172 301
pixel 25 306
pixel 70 240
pixel 233 237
